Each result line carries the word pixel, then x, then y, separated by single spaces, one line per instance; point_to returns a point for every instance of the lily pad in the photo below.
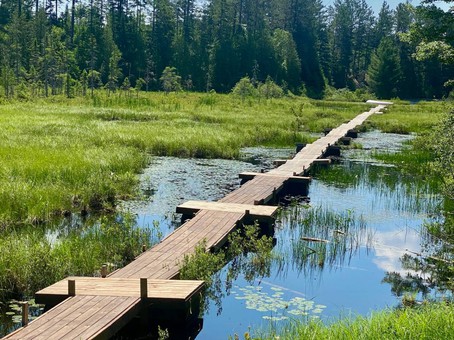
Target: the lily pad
pixel 274 303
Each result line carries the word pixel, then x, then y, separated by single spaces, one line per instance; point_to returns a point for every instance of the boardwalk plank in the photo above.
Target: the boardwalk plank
pixel 86 317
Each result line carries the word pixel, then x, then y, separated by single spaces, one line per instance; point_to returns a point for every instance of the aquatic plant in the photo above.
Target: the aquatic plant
pixel 33 258
pixel 319 237
pixel 429 321
pixel 393 185
pixel 76 155
pixel 246 252
pixel 274 306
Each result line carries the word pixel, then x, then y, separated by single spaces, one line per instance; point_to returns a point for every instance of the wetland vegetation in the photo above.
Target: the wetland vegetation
pixel 46 180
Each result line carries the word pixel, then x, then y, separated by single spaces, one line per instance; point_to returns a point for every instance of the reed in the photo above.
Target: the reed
pixel 63 155
pixel 429 321
pixel 32 258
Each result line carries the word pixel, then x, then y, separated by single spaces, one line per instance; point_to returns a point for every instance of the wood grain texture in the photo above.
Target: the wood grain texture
pixel 126 287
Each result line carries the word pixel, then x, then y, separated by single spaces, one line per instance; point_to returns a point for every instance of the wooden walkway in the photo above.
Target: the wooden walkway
pixel 98 311
pixel 81 317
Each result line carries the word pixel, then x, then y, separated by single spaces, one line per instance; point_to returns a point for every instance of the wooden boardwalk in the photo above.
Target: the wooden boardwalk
pixel 81 317
pixel 100 308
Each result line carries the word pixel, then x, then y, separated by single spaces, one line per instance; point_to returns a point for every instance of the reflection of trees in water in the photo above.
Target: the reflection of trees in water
pixel 432 270
pixel 308 240
pixel 388 184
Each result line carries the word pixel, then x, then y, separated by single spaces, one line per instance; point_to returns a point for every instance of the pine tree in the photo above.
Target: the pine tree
pixel 384 73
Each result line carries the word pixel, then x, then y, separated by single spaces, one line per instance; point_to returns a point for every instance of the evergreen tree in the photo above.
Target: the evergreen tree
pixel 385 23
pixel 409 86
pixel 170 80
pixel 384 74
pixel 351 32
pixel 289 65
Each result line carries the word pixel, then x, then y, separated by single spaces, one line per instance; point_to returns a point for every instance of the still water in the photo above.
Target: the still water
pixel 332 256
pixel 366 213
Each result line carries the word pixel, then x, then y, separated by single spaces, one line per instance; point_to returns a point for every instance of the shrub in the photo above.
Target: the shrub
pixel 270 89
pixel 244 88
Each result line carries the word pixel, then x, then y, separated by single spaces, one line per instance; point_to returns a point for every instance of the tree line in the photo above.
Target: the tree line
pixel 72 47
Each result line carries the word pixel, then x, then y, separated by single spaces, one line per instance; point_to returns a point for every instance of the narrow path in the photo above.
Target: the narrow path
pixel 99 317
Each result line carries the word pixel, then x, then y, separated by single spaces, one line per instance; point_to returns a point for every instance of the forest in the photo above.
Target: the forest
pixel 61 47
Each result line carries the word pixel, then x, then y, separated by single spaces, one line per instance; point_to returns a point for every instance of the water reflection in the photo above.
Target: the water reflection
pixel 392 245
pixel 344 251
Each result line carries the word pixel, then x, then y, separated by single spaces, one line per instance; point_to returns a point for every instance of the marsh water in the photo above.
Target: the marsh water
pixel 366 214
pixel 333 256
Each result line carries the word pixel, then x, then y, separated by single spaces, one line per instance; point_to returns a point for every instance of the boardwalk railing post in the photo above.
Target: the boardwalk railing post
pixel 144 248
pixel 143 288
pixel 104 270
pixel 24 313
pixel 72 287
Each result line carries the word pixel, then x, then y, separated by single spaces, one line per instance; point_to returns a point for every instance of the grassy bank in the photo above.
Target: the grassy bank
pixel 33 258
pixel 421 119
pixel 430 321
pixel 61 155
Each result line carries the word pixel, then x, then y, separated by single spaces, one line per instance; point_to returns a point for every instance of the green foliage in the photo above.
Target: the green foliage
pixel 359 95
pixel 114 71
pixel 444 150
pixel 270 89
pixel 429 321
pixel 201 265
pixel 244 88
pixel 246 252
pixel 384 72
pixel 30 259
pixel 287 59
pixel 170 80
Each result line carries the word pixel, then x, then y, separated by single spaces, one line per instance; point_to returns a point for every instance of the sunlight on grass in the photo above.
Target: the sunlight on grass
pixel 61 155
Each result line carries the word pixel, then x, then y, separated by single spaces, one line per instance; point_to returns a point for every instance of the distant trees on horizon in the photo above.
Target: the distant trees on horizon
pixel 72 47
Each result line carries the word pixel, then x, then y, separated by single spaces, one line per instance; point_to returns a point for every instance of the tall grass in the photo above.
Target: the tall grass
pixel 418 156
pixel 405 118
pixel 61 155
pixel 430 321
pixel 33 258
pixel 318 237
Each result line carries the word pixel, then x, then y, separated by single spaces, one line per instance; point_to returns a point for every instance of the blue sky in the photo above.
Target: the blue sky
pixel 376 4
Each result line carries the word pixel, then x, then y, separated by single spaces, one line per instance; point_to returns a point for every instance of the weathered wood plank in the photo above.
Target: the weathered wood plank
pixel 124 287
pixel 255 210
pixel 68 319
pixel 86 317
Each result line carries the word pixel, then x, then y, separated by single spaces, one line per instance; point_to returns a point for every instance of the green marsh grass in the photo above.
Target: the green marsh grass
pixel 417 157
pixel 32 258
pixel 319 237
pixel 405 118
pixel 63 155
pixel 429 321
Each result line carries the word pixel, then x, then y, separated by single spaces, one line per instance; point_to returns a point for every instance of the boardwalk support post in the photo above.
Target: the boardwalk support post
pixel 72 287
pixel 143 288
pixel 104 270
pixel 24 313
